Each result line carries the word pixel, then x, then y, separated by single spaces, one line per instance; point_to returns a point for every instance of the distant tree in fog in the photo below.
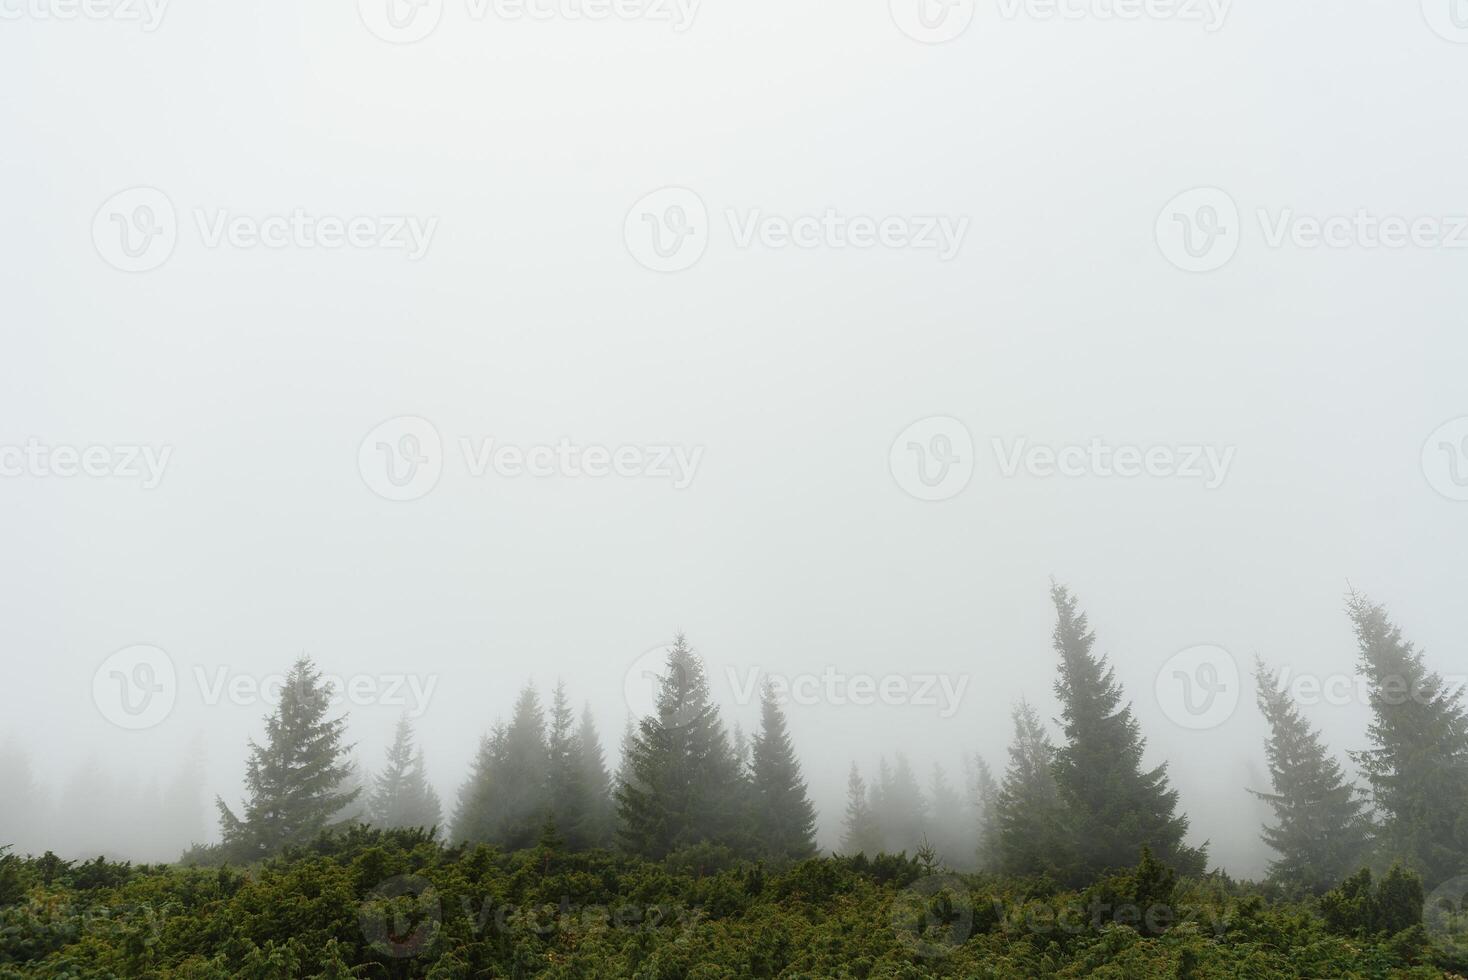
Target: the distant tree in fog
pixel 784 818
pixel 401 795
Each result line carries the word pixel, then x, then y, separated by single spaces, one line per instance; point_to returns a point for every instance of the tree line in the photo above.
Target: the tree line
pixel 1073 808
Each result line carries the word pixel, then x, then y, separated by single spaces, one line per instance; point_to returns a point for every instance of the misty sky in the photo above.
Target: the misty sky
pixel 528 316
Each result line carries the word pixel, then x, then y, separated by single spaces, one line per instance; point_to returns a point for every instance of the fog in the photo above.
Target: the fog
pixel 503 355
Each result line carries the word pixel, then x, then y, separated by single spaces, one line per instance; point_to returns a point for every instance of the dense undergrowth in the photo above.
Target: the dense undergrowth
pixel 366 903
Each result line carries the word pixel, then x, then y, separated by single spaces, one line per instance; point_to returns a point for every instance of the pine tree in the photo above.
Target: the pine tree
pixel 401 795
pixel 860 833
pixel 1417 765
pixel 1115 808
pixel 593 764
pixel 983 799
pixel 1029 835
pixel 680 781
pixel 294 779
pixel 518 805
pixel 900 808
pixel 474 813
pixel 568 794
pixel 1321 831
pixel 950 829
pixel 784 819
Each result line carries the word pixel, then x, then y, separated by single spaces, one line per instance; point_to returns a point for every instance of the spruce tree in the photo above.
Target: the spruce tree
pixel 401 795
pixel 1321 831
pixel 983 799
pixel 569 796
pixel 681 781
pixel 784 819
pixel 900 808
pixel 860 835
pixel 518 805
pixel 1417 765
pixel 294 779
pixel 1114 806
pixel 950 827
pixel 1029 830
pixel 593 764
pixel 474 812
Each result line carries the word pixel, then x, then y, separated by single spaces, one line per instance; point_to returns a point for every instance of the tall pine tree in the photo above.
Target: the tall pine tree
pixel 681 782
pixel 1114 806
pixel 1321 831
pixel 294 779
pixel 1417 765
pixel 784 819
pixel 593 764
pixel 569 796
pixel 401 795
